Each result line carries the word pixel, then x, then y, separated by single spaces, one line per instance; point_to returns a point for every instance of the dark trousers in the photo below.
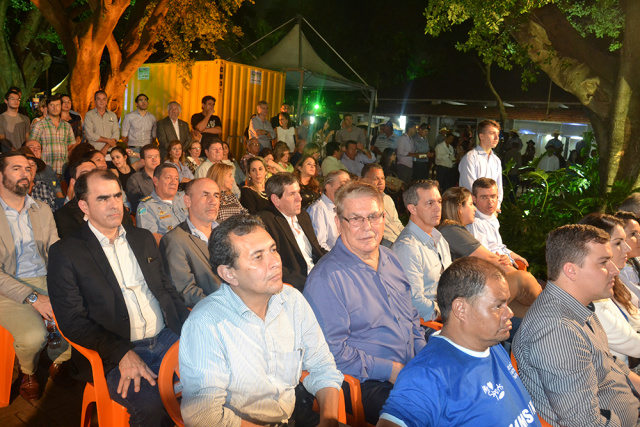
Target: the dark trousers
pixel 374 394
pixel 404 173
pixel 145 407
pixel 420 170
pixel 446 177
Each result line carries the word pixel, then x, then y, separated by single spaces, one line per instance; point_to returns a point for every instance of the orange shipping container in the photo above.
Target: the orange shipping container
pixel 237 89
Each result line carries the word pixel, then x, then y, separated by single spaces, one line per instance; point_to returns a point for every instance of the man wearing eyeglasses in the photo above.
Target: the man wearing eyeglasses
pixel 362 299
pixel 291 228
pixel 14 126
pixel 423 252
pixel 482 162
pixel 486 227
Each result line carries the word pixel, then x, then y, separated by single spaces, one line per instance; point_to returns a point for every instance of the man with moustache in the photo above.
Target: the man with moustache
pixel 422 250
pixel 464 376
pixel 244 347
pixel 184 249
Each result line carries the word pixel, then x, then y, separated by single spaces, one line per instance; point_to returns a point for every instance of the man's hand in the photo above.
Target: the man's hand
pixel 397 367
pixel 133 368
pixel 43 306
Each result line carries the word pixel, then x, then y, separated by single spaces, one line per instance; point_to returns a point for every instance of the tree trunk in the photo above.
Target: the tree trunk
pixel 23 57
pixel 486 69
pixel 608 86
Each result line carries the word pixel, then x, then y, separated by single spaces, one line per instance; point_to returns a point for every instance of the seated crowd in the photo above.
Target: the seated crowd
pixel 292 266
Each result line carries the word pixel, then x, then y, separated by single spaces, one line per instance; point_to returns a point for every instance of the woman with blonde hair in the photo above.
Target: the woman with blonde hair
pixel 222 174
pixel 281 155
pixel 457 212
pixel 176 157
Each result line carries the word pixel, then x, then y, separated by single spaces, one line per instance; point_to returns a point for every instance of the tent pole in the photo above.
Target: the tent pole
pixel 371 101
pixel 301 84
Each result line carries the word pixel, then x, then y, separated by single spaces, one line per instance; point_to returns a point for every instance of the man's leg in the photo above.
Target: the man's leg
pixel 28 330
pixel 145 406
pixel 374 394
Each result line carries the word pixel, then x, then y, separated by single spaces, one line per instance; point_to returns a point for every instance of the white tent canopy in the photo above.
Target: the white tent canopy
pixel 304 68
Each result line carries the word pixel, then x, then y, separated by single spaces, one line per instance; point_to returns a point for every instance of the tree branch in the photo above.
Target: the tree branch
pixel 593 87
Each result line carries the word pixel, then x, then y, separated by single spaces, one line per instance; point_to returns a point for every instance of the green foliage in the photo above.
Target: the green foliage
pixel 554 199
pixel 493 24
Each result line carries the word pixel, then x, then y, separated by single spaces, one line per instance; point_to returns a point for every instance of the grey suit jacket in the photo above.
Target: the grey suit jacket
pixel 44 233
pixel 186 260
pixel 166 133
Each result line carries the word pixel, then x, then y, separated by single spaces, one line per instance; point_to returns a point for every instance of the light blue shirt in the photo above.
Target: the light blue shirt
pixel 323 218
pixel 199 234
pixel 141 130
pixel 235 366
pixel 423 259
pixel 355 166
pixel 28 260
pixel 366 315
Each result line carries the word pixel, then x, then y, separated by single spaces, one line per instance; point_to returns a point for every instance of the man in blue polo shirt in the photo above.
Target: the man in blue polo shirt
pixel 464 377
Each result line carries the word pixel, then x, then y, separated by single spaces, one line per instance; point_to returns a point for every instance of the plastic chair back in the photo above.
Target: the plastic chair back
pixel 515 366
pixel 170 389
pixel 7 358
pixel 110 413
pixel 435 325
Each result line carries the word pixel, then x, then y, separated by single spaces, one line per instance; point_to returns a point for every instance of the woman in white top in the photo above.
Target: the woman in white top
pixel 630 274
pixel 286 133
pixel 618 316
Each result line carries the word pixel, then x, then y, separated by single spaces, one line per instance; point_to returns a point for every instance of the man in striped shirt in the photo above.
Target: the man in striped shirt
pixel 561 348
pixel 54 134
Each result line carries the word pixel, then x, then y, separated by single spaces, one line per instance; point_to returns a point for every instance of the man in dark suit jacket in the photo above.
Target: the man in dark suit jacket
pixel 109 293
pixel 291 228
pixel 166 129
pixel 185 248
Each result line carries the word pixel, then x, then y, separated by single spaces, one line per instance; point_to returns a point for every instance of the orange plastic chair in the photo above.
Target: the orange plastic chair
pixel 356 419
pixel 515 366
pixel 110 413
pixel 433 324
pixel 171 390
pixel 342 412
pixel 521 265
pixel 7 358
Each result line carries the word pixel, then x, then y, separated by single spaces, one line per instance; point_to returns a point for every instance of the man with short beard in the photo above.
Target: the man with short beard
pixel 24 297
pixel 54 134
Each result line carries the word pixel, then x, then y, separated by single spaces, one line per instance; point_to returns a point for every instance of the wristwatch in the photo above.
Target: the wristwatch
pixel 31 298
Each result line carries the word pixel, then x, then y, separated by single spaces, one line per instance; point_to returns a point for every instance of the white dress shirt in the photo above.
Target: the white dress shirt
pixel 487 230
pixel 145 315
pixel 323 218
pixel 478 164
pixel 235 366
pixel 445 156
pixel 392 225
pixel 621 328
pixel 302 240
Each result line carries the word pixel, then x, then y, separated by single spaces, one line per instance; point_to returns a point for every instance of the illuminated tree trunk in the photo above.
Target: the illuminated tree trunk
pixel 608 88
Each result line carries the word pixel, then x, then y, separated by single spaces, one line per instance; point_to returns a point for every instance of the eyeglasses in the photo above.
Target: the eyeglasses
pixel 14 99
pixel 358 221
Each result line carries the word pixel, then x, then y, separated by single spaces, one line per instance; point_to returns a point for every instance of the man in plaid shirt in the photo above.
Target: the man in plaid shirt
pixel 54 134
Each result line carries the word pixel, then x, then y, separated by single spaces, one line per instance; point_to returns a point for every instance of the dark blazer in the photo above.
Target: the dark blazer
pixel 294 267
pixel 70 218
pixel 186 261
pixel 88 302
pixel 166 133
